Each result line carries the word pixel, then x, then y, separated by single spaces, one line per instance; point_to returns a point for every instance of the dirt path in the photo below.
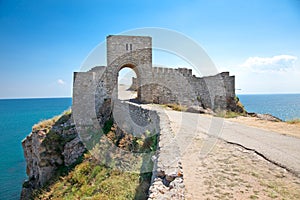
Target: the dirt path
pixel 229 171
pixel 279 127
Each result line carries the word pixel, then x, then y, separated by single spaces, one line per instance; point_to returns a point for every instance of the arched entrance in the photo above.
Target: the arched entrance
pixel 127 83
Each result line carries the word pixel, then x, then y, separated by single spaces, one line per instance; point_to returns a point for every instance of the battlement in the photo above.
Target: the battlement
pixel 164 70
pixel 153 84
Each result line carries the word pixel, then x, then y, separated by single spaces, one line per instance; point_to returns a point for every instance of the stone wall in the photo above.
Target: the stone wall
pixel 118 45
pixel 95 92
pixel 135 119
pixel 134 84
pixel 167 174
pixel 153 84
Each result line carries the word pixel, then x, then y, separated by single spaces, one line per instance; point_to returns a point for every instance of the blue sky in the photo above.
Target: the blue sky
pixel 43 42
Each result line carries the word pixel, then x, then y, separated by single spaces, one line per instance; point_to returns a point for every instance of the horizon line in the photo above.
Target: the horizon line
pixel 64 97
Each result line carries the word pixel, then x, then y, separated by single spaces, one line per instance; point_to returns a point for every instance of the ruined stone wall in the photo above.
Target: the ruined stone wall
pixel 134 84
pixel 135 119
pixel 214 91
pixel 162 86
pixel 170 85
pixel 97 89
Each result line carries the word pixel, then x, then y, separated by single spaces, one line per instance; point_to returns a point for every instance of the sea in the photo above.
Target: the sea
pixel 283 106
pixel 17 116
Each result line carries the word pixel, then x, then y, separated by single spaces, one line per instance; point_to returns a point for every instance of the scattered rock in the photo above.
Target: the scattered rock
pixel 199 109
pixel 267 117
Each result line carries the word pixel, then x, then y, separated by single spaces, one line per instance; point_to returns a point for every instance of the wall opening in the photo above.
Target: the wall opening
pixel 127 83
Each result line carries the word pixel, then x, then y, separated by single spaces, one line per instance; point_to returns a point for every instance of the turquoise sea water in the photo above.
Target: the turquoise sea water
pixel 283 106
pixel 17 116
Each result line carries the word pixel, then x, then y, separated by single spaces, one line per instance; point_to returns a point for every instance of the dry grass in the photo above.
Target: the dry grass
pixel 47 124
pixel 177 107
pixel 229 114
pixel 90 180
pixel 286 128
pixel 294 121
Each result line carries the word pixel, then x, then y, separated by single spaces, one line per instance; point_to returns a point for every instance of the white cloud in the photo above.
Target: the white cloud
pixel 275 63
pixel 61 82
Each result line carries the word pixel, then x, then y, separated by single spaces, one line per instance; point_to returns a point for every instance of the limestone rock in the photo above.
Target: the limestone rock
pixel 267 117
pixel 46 149
pixel 199 109
pixel 72 151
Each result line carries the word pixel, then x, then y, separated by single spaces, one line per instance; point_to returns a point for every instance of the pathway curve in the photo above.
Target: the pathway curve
pixel 226 160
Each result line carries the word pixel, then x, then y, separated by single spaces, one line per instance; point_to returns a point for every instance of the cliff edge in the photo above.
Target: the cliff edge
pixel 51 145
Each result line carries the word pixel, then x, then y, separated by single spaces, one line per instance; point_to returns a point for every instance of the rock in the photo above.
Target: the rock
pixel 46 150
pixel 267 117
pixel 195 109
pixel 199 109
pixel 72 151
pixel 171 177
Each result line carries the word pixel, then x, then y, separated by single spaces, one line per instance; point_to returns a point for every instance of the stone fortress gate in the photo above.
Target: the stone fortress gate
pixel 99 86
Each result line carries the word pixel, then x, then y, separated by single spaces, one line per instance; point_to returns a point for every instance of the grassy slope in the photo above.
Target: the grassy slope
pixel 88 179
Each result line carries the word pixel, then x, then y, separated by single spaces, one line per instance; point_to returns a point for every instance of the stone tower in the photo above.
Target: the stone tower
pixel 134 52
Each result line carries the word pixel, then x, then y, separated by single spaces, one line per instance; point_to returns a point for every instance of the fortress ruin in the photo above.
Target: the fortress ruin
pixel 154 84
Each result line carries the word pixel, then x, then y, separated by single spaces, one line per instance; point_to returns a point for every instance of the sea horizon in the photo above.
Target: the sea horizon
pixel 58 97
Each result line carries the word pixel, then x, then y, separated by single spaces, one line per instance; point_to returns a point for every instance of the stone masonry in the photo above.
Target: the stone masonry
pixel 154 84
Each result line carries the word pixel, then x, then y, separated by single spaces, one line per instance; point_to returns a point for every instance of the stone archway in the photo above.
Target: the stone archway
pixel 125 92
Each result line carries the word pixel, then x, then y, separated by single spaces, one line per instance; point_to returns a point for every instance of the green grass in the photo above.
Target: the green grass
pixel 93 181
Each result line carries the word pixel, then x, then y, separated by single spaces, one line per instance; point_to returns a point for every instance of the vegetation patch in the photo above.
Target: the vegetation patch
pixel 49 123
pixel 54 128
pixel 93 181
pixel 89 178
pixel 176 107
pixel 294 121
pixel 230 114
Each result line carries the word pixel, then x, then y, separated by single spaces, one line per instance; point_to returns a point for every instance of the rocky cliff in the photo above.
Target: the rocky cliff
pixel 51 145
